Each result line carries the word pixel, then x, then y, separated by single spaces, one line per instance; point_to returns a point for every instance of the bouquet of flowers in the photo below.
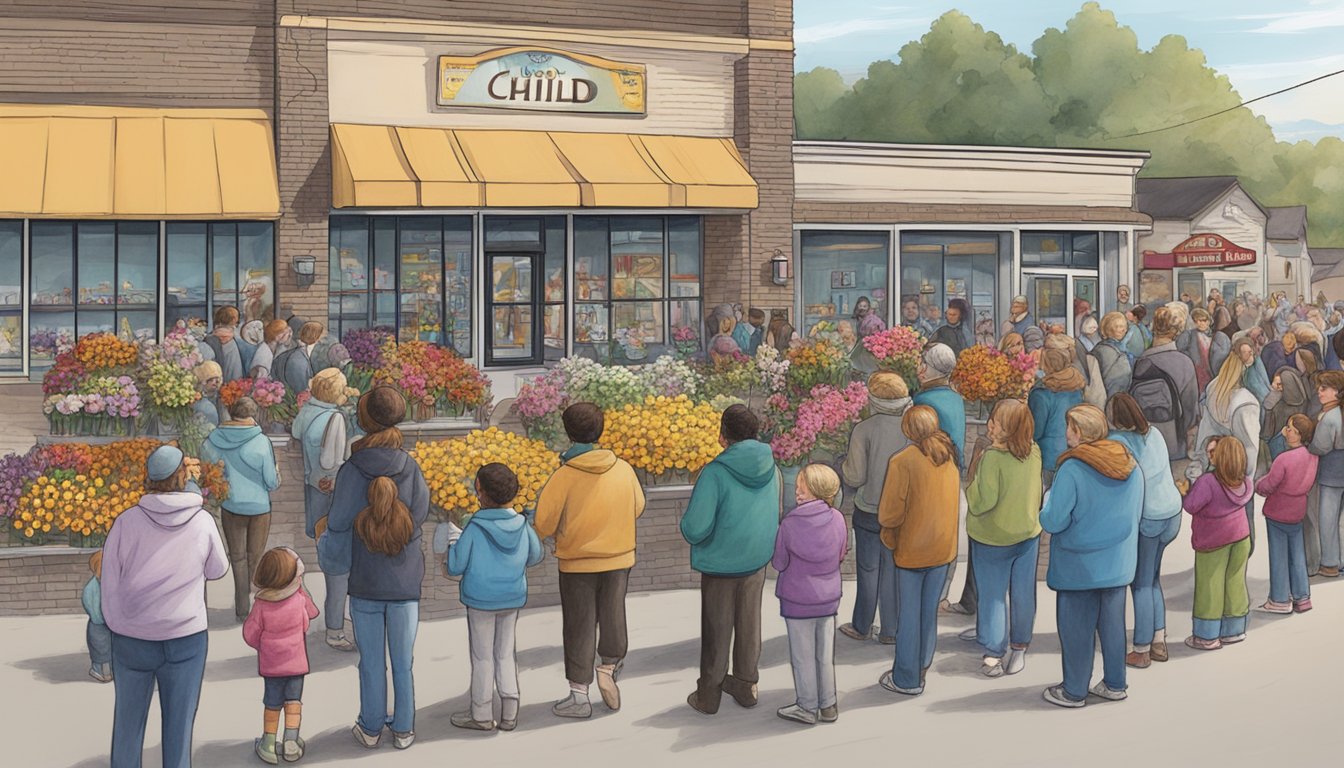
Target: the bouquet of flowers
pixel 820 421
pixel 987 375
pixel 434 379
pixel 731 374
pixel 365 346
pixel 897 349
pixel 539 405
pixel 101 351
pixel 168 393
pixel 686 342
pixel 177 348
pixel 450 468
pixel 269 394
pixel 46 342
pixel 664 438
pixel 816 361
pixel 772 368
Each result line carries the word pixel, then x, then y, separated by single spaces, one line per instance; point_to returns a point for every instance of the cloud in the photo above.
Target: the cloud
pixel 1299 22
pixel 1282 73
pixel 832 30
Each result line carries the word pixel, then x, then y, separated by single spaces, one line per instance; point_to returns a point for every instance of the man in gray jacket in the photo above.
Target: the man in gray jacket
pixel 871 445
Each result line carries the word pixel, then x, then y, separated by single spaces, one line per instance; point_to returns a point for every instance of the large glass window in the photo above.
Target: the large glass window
pixel 1072 250
pixel 840 270
pixel 637 282
pixel 91 276
pixel 11 296
pixel 409 273
pixel 219 264
pixel 939 267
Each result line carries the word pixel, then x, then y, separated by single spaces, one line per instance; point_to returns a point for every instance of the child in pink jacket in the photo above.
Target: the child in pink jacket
pixel 1285 489
pixel 277 627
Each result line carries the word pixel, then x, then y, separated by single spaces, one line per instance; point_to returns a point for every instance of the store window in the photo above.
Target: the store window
pixel 89 277
pixel 11 296
pixel 408 273
pixel 219 264
pixel 525 294
pixel 939 267
pixel 839 271
pixel 637 283
pixel 1070 250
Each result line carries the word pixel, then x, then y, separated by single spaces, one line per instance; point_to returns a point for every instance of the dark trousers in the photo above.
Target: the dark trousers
pixel 730 628
pixel 177 666
pixel 99 638
pixel 245 539
pixel 592 610
pixel 1086 616
pixel 875 587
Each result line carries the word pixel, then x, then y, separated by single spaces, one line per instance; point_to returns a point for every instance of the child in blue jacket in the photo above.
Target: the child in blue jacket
pixel 491 555
pixel 98 636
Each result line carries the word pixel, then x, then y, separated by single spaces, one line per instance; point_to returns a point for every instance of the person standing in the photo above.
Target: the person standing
pixel 1165 385
pixel 209 378
pixel 1328 444
pixel 918 513
pixel 1196 343
pixel 1050 401
pixel 871 445
pixel 1092 515
pixel 224 346
pixel 1254 377
pixel 492 556
pixel 811 545
pixel 731 522
pixel 1019 316
pixel 1285 489
pixel 1114 361
pixel 934 372
pixel 1221 537
pixel 319 427
pixel 296 366
pixel 157 558
pixel 250 469
pixel 953 332
pixel 1137 338
pixel 1230 410
pixel 97 636
pixel 1003 504
pixel 275 339
pixel 590 506
pixel 1289 395
pixel 1158 527
pixel 373 535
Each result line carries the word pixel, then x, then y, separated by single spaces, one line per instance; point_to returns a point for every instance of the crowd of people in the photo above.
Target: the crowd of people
pixel 1134 420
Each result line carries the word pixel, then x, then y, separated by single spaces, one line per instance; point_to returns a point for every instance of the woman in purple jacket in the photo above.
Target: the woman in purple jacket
pixel 811 543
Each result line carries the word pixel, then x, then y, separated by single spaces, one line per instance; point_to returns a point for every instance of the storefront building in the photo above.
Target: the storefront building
pixel 1208 234
pixel 911 227
pixel 1289 257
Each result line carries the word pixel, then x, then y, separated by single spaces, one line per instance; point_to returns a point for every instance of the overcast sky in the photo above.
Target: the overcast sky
pixel 1261 46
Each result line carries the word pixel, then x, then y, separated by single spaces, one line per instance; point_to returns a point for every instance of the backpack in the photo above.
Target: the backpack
pixel 280 369
pixel 1156 394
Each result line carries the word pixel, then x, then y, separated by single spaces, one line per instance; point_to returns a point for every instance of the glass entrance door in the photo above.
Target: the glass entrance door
pixel 1057 298
pixel 514 322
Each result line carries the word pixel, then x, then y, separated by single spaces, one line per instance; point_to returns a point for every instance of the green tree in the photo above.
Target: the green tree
pixel 814 94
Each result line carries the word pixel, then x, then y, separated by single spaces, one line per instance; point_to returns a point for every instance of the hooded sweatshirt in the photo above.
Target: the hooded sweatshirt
pixel 1092 514
pixel 1048 409
pixel 157 558
pixel 590 506
pixel 871 445
pixel 1281 405
pixel 1219 512
pixel 1161 499
pixel 492 557
pixel 249 466
pixel 1286 486
pixel 733 514
pixel 373 575
pixel 811 544
pixel 276 627
pixel 1240 419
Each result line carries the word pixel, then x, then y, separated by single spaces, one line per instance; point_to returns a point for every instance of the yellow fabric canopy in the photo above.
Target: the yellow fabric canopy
pixel 129 163
pixel 384 166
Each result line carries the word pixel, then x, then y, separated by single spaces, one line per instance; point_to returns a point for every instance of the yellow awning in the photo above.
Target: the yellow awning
pixel 130 163
pixel 384 166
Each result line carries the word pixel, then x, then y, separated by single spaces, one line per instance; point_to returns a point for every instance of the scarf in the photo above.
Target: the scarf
pixel 276 595
pixel 1107 457
pixel 889 407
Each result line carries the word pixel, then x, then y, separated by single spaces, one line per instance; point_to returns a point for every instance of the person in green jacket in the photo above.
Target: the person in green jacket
pixel 730 522
pixel 1003 524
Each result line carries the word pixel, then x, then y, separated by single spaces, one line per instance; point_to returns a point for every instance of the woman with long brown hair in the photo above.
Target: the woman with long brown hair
pixel 1003 525
pixel 373 534
pixel 918 515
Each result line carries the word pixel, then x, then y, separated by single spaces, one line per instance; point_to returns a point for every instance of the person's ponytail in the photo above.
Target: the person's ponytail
pixel 385 526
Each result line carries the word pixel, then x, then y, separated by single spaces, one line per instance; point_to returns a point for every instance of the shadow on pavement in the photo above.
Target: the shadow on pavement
pixel 61 669
pixel 731 724
pixel 1008 699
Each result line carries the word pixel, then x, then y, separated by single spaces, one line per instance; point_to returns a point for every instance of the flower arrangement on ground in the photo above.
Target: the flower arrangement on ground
pixel 897 349
pixel 72 492
pixel 772 368
pixel 729 374
pixel 450 468
pixel 435 380
pixel 666 439
pixel 821 421
pixel 986 375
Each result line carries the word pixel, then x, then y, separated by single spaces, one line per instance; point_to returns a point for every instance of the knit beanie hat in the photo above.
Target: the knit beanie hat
pixel 163 462
pixel 940 359
pixel 384 406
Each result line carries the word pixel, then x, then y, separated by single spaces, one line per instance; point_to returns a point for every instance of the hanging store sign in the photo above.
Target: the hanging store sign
pixel 541 79
pixel 1201 252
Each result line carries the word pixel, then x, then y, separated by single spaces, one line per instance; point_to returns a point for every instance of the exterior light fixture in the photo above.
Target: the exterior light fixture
pixel 779 268
pixel 305 270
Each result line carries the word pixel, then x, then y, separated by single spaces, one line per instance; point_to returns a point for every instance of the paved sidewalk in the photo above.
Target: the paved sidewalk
pixel 1271 700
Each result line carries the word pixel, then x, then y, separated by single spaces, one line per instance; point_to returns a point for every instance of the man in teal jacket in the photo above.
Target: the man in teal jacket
pixel 731 522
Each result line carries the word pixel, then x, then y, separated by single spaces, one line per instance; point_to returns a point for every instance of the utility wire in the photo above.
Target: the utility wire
pixel 1229 109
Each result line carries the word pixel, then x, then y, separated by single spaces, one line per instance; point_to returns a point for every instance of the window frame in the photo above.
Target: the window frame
pixel 209 268
pixel 20 309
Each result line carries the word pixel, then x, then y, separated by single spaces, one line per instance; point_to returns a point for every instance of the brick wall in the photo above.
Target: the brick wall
pixel 812 212
pixel 42 580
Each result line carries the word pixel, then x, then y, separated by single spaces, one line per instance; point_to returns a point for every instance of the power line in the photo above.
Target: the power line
pixel 1229 109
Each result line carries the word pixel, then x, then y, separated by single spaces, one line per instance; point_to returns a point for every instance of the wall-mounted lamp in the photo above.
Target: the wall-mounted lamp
pixel 779 268
pixel 305 270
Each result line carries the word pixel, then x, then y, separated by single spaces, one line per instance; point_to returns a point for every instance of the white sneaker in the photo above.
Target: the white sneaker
pixel 1017 661
pixel 797 714
pixel 364 739
pixel 1101 691
pixel 403 740
pixel 575 705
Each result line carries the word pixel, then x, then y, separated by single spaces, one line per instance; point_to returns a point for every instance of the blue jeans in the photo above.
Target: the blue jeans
pixel 384 627
pixel 875 592
pixel 1287 562
pixel 918 593
pixel 1005 578
pixel 1083 616
pixel 1150 604
pixel 177 666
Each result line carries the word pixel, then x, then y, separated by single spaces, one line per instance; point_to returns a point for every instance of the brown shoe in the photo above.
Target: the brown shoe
pixel 1138 660
pixel 694 701
pixel 606 685
pixel 1159 652
pixel 1328 572
pixel 744 693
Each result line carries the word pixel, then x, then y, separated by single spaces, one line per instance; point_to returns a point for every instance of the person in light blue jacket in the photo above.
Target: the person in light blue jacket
pixel 1049 401
pixel 1092 513
pixel 492 555
pixel 1158 526
pixel 935 368
pixel 250 469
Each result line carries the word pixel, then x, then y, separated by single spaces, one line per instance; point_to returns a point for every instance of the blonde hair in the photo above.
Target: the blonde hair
pixel 1018 426
pixel 208 370
pixel 1088 421
pixel 1168 322
pixel 885 385
pixel 920 425
pixel 329 386
pixel 1180 313
pixel 1114 325
pixel 821 481
pixel 1226 384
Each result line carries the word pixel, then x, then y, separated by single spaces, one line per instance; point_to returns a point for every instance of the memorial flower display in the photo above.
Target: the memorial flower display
pixel 897 349
pixel 434 379
pixel 820 421
pixel 664 438
pixel 813 362
pixel 450 468
pixel 986 375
